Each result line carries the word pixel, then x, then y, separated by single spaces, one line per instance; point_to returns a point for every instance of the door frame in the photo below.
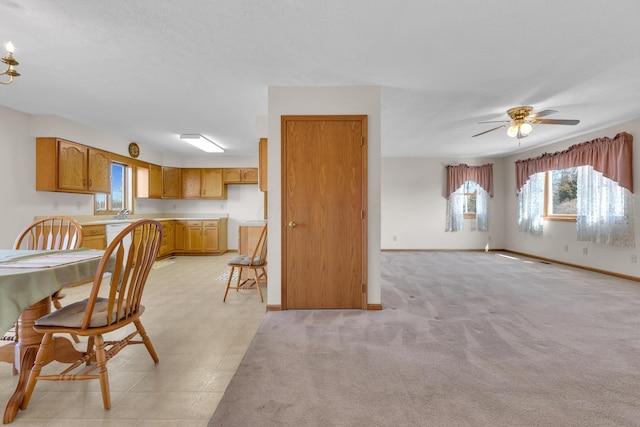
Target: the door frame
pixel 364 203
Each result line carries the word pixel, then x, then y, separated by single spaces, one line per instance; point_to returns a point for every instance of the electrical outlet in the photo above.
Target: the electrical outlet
pixel 55 206
pixel 78 205
pixel 634 258
pixel 566 248
pixel 395 238
pixel 584 251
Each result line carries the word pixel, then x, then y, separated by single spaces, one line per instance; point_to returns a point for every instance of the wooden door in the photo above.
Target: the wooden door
pixel 324 179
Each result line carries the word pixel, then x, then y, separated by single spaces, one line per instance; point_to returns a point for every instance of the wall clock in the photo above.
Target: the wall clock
pixel 134 150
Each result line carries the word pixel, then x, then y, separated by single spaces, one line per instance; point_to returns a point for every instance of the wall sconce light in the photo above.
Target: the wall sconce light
pixel 8 59
pixel 202 143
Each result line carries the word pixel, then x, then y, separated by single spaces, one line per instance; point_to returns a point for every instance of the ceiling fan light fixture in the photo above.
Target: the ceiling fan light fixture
pixel 526 128
pixel 512 131
pixel 202 143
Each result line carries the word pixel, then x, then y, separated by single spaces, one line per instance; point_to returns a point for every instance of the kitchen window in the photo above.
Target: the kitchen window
pixel 121 196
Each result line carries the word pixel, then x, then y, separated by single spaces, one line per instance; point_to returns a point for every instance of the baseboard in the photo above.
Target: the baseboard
pixel 374 306
pixel 582 267
pixel 443 250
pixel 274 307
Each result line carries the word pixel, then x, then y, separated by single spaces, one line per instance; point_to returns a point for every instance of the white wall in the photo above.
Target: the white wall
pixel 414 206
pixel 556 235
pixel 21 202
pixel 345 100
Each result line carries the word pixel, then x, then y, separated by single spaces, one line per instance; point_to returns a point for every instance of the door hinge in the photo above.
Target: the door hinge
pixel 362 141
pixel 362 214
pixel 363 288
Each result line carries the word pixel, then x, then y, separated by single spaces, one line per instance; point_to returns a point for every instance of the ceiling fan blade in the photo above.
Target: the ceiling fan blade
pixel 496 121
pixel 556 122
pixel 490 130
pixel 543 113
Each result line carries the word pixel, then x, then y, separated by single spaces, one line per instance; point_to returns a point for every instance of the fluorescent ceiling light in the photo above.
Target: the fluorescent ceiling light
pixel 202 143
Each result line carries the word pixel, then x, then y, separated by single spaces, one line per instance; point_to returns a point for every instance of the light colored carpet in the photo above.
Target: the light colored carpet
pixel 465 339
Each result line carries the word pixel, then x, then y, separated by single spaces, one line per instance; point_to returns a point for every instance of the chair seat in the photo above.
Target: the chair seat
pixel 71 316
pixel 244 260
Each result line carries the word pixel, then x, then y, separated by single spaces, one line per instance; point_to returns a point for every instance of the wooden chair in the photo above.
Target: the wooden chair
pixel 255 262
pixel 128 258
pixel 49 233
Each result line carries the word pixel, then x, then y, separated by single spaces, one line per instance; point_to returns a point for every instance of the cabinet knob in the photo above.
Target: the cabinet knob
pixel 292 224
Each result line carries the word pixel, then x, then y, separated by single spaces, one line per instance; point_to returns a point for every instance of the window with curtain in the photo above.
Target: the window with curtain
pixel 604 206
pixel 469 189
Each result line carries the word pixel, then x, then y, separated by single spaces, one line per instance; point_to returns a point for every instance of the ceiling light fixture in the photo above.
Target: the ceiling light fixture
pixel 8 59
pixel 202 143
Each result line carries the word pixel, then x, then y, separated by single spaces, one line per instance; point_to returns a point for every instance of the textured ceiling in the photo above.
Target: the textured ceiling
pixel 147 70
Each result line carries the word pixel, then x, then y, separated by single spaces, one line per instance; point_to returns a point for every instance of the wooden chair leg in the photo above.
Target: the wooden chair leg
pixel 101 358
pixel 228 284
pixel 41 356
pixel 255 272
pixel 238 281
pixel 147 341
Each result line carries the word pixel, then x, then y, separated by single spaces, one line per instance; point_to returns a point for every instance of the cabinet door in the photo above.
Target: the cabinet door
pixel 194 236
pixel 179 235
pixel 171 183
pixel 155 182
pixel 99 171
pixel 232 176
pixel 191 183
pixel 210 232
pixel 250 176
pixel 94 237
pixel 72 166
pixel 212 184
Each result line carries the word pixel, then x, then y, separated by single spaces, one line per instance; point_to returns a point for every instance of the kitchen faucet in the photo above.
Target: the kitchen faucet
pixel 123 214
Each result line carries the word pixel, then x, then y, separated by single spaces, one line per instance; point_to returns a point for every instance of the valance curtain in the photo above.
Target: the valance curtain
pixel 456 177
pixel 459 174
pixel 613 157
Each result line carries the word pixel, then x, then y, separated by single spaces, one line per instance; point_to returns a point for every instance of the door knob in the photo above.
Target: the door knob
pixel 292 224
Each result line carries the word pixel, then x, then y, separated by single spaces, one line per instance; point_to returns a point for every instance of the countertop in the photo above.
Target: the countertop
pixel 179 217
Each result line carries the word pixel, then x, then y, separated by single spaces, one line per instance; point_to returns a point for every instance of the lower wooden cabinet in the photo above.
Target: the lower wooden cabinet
pixel 204 236
pixel 94 237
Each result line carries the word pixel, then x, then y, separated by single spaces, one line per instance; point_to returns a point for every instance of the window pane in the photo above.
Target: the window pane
pixel 564 192
pixel 117 186
pixel 470 190
pixel 101 202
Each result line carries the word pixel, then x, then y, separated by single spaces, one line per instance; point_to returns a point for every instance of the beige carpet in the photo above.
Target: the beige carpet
pixel 465 339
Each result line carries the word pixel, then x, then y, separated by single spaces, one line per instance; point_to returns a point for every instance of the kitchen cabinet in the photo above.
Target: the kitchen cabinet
pixel 94 237
pixel 166 246
pixel 199 183
pixel 241 175
pixel 70 167
pixel 180 236
pixel 206 236
pixel 262 164
pixel 171 182
pixel 149 181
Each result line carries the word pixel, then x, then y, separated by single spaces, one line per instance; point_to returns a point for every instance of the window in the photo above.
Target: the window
pixel 561 194
pixel 470 194
pixel 121 196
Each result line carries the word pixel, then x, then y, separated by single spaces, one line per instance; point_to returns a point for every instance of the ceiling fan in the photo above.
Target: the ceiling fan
pixel 522 120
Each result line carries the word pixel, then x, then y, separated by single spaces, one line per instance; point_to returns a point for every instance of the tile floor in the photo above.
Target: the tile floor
pixel 200 342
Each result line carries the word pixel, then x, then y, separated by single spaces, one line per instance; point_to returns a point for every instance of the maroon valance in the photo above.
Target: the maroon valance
pixel 612 157
pixel 459 174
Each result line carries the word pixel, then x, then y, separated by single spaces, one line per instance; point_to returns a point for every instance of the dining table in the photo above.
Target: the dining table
pixel 28 278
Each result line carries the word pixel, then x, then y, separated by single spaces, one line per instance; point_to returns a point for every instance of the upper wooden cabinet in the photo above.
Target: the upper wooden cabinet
pixel 66 166
pixel 203 183
pixel 149 181
pixel 171 182
pixel 240 175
